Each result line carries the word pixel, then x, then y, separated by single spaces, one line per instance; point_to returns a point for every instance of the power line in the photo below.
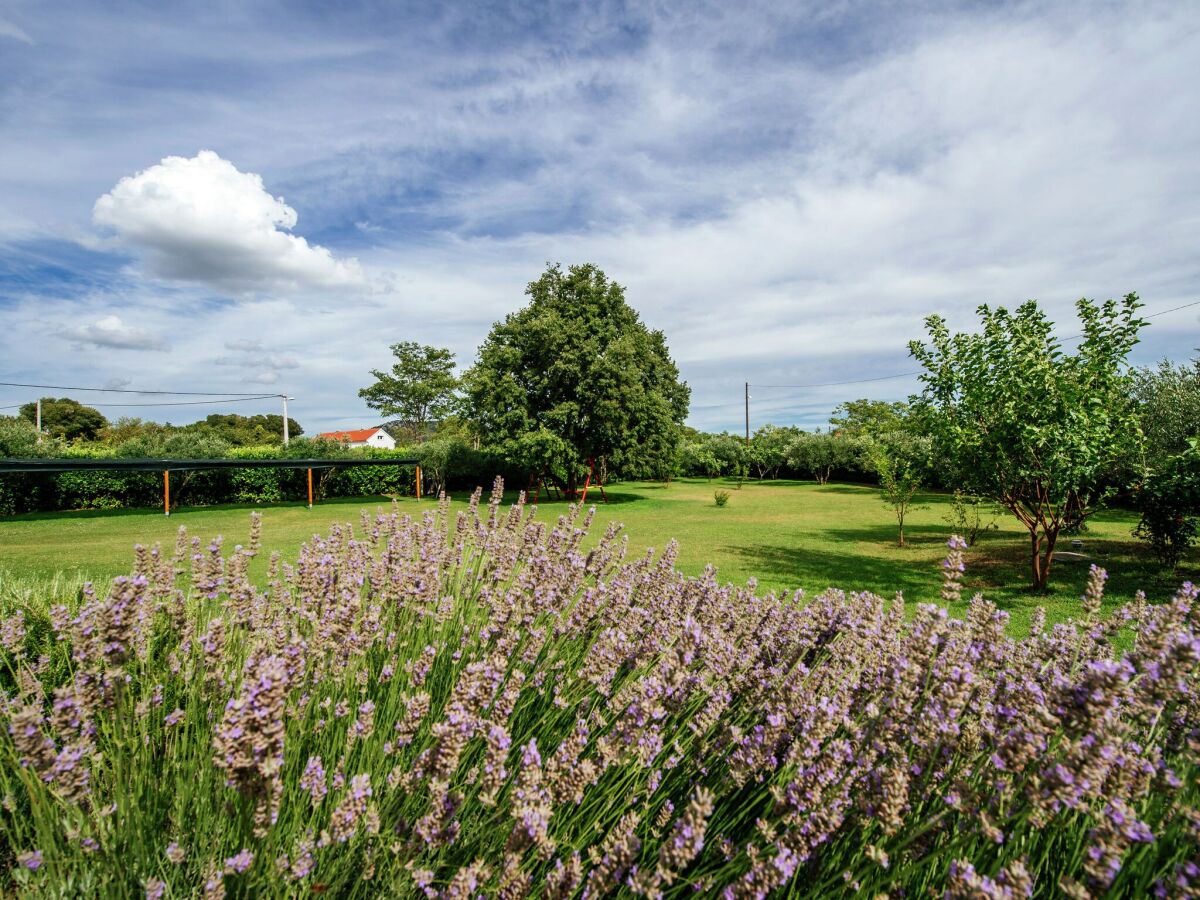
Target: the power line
pixel 59 387
pixel 1174 309
pixel 912 374
pixel 177 403
pixel 839 383
pixel 238 399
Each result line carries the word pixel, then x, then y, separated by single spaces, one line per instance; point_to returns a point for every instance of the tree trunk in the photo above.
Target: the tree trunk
pixel 1048 558
pixel 901 531
pixel 1035 538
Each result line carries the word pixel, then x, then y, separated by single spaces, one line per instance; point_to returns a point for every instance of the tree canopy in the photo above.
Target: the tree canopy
pixel 419 389
pixel 575 375
pixel 868 418
pixel 1168 398
pixel 66 418
pixel 1016 419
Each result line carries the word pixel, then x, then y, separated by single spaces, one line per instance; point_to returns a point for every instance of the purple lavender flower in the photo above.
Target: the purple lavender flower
pixel 239 863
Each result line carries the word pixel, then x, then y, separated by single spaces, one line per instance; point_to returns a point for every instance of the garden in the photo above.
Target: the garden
pixel 948 647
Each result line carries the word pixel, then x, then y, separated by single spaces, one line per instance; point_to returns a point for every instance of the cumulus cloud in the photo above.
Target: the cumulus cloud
pixel 113 334
pixel 200 219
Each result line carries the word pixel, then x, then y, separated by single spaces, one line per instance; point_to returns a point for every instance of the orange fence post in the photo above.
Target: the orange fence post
pixel 310 488
pixel 418 482
pixel 166 492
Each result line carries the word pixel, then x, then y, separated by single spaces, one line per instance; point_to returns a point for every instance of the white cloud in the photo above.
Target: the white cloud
pixel 111 333
pixel 200 219
pixel 786 213
pixel 274 361
pixel 244 345
pixel 9 30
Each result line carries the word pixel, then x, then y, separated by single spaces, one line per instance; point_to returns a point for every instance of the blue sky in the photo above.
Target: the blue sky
pixel 250 196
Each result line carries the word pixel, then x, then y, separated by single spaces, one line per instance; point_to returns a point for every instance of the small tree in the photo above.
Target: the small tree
pixel 901 470
pixel 1169 500
pixel 1016 419
pixel 966 517
pixel 420 388
pixel 822 454
pixel 769 447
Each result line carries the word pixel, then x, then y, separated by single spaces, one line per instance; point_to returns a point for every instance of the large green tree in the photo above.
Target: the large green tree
pixel 66 418
pixel 575 375
pixel 1015 418
pixel 419 389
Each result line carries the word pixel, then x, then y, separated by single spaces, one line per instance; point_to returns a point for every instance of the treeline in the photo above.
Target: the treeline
pixel 70 420
pixel 846 451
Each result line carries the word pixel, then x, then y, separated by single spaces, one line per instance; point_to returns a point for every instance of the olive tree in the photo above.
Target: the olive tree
pixel 768 451
pixel 822 454
pixel 1168 398
pixel 1015 418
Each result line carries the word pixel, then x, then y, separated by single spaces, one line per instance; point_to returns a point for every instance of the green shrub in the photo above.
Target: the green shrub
pixel 1170 503
pixel 721 497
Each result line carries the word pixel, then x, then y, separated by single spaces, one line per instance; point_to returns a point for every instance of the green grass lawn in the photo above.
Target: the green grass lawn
pixel 786 534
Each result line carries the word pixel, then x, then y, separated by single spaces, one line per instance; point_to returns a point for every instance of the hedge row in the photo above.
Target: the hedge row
pixel 123 490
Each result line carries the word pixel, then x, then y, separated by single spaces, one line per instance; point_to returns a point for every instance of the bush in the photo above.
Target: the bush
pixel 478 704
pixel 970 516
pixel 1169 501
pixel 720 497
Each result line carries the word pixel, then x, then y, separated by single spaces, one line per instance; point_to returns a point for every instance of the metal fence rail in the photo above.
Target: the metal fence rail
pixel 167 466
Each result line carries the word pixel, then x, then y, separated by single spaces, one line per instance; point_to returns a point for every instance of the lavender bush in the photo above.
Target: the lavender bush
pixel 479 706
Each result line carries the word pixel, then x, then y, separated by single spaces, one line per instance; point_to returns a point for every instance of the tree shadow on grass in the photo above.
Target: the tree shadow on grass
pixel 184 510
pixel 816 569
pixel 615 498
pixel 917 535
pixel 1129 566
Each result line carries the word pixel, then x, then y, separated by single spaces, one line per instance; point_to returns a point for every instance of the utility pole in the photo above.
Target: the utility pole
pixel 747 414
pixel 285 398
pixel 39 420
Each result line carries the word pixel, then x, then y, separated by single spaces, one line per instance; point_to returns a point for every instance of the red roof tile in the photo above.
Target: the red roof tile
pixel 350 437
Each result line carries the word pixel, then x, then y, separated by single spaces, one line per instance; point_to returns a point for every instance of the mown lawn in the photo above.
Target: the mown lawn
pixel 786 534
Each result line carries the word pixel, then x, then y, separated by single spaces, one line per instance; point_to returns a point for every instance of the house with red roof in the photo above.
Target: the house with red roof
pixel 363 437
